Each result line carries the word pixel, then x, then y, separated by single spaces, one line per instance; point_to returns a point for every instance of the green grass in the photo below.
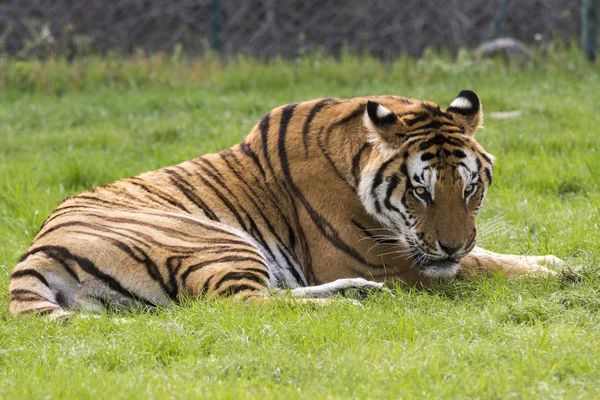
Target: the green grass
pixel 65 128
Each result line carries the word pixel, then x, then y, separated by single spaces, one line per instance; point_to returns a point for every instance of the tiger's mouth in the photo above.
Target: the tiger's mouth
pixel 444 268
pixel 434 266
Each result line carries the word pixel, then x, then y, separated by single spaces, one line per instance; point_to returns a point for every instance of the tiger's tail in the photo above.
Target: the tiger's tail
pixel 35 288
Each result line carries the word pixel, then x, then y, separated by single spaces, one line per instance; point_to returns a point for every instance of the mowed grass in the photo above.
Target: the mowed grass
pixel 65 128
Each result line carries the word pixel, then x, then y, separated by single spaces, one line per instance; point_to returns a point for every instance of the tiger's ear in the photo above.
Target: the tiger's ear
pixel 466 109
pixel 385 128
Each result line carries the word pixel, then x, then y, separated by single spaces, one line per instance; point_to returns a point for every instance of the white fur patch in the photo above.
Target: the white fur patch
pixel 421 169
pixel 369 202
pixel 364 191
pixel 461 102
pixel 444 270
pixel 373 138
pixel 382 112
pixel 465 173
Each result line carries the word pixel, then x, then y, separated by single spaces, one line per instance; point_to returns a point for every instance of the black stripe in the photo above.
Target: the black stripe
pixel 173 265
pixel 48 252
pixel 378 179
pixel 262 272
pixel 258 234
pixel 40 312
pixel 436 140
pixel 325 152
pixel 311 115
pixel 263 126
pixel 27 295
pixel 479 164
pixel 356 162
pixel 235 289
pixel 426 130
pixel 248 151
pixel 203 264
pixel 158 193
pixel 31 273
pixel 459 153
pixel 393 184
pixel 217 178
pixel 239 276
pixel 66 211
pixel 325 147
pixel 415 139
pixel 230 206
pixel 152 269
pixel 360 110
pixel 427 156
pixel 94 226
pixel 417 119
pixel 488 174
pixel 107 203
pixel 286 116
pixel 433 126
pixel 486 158
pixel 371 236
pixel 209 165
pixel 298 276
pixel 180 183
pixel 139 255
pixel 435 110
pixel 135 200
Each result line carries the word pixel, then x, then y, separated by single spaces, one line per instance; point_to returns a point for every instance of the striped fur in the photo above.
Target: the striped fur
pixel 318 191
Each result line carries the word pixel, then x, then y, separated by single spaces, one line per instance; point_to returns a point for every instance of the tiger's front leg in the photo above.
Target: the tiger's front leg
pixel 340 287
pixel 484 261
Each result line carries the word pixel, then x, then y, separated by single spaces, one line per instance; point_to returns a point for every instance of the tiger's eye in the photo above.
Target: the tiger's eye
pixel 420 191
pixel 469 188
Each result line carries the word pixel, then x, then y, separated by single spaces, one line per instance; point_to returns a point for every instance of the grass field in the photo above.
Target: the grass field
pixel 65 128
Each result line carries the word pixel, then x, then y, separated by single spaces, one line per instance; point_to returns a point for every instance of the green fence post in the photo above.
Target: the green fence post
pixel 589 19
pixel 215 24
pixel 495 28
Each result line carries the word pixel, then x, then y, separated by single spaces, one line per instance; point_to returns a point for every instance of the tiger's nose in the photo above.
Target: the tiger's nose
pixel 450 249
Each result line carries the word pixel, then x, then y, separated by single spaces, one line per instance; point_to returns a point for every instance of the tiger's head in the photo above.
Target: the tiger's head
pixel 427 177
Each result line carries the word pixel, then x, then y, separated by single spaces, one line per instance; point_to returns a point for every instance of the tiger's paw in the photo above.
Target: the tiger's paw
pixel 360 289
pixel 357 288
pixel 538 265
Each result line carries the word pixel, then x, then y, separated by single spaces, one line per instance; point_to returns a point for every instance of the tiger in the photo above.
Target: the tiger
pixel 321 197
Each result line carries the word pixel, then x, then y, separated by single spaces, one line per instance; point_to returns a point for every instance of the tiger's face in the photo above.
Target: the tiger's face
pixel 428 178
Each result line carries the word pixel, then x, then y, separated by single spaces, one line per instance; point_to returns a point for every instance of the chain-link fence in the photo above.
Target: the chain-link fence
pixel 267 28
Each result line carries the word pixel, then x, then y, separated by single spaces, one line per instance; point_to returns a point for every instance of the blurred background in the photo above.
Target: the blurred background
pixel 268 28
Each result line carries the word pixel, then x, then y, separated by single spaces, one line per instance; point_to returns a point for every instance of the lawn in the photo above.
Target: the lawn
pixel 69 127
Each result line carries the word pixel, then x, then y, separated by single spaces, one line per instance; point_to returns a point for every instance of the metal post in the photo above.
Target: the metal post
pixel 495 29
pixel 589 20
pixel 215 24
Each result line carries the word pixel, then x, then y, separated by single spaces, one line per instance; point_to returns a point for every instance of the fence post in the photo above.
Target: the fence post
pixel 499 18
pixel 215 24
pixel 589 20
